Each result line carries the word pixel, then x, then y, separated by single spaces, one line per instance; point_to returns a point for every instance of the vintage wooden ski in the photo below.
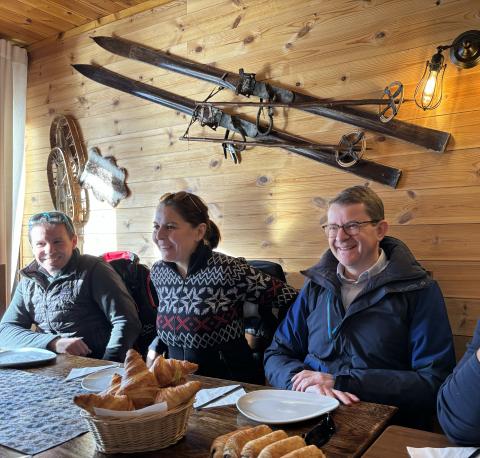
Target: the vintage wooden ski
pixel 245 83
pixel 216 117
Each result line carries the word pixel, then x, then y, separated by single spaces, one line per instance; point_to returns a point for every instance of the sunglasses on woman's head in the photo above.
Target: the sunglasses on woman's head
pixel 178 197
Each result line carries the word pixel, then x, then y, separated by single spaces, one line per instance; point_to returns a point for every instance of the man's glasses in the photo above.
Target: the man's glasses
pixel 178 197
pixel 322 432
pixel 52 217
pixel 350 228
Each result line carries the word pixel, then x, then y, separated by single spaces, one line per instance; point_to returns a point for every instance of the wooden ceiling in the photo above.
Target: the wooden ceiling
pixel 26 22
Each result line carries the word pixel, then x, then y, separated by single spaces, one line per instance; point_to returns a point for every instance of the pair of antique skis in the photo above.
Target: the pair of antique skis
pixel 246 84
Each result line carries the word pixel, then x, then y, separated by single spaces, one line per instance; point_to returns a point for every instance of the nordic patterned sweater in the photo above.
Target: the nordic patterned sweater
pixel 205 309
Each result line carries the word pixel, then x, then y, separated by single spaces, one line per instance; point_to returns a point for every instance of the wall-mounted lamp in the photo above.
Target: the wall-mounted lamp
pixel 464 53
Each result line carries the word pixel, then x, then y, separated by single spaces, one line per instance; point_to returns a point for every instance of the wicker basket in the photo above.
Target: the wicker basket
pixel 139 434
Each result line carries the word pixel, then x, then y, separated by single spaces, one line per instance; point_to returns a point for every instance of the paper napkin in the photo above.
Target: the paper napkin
pixel 84 371
pixel 448 452
pixel 224 393
pixel 160 407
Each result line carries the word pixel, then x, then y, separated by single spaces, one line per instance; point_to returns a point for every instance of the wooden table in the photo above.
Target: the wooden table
pixel 357 426
pixel 393 442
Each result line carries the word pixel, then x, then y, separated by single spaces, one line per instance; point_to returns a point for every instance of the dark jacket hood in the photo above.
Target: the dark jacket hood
pixel 402 266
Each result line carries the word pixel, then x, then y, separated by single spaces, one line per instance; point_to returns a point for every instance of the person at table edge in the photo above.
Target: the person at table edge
pixel 202 293
pixel 458 402
pixel 369 324
pixel 78 303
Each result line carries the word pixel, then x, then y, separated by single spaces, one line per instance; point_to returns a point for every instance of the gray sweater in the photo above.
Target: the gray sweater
pixel 88 299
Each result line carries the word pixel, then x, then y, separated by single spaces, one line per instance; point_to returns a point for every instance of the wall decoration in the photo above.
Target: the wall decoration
pixel 104 178
pixel 64 166
pixel 246 84
pixel 215 117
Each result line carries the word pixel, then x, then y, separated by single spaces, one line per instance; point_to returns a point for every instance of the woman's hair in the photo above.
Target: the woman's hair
pixel 361 195
pixel 193 210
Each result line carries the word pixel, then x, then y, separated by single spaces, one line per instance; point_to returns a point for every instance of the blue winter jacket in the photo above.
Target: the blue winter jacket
pixel 458 403
pixel 393 345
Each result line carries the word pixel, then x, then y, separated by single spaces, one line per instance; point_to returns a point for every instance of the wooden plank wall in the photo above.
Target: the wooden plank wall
pixel 272 205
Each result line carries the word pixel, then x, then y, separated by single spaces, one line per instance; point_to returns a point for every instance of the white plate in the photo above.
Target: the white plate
pixel 99 381
pixel 24 357
pixel 284 406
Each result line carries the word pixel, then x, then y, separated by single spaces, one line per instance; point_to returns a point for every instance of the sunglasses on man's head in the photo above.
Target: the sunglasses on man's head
pixel 321 433
pixel 51 217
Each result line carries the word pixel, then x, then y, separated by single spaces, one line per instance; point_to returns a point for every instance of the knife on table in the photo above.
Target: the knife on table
pixel 216 398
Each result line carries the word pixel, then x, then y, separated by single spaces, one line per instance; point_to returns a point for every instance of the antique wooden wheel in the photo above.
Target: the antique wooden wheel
pixel 64 167
pixel 64 193
pixel 64 134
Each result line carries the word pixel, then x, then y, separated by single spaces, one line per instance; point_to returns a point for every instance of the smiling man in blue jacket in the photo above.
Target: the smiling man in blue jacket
pixel 458 401
pixel 369 324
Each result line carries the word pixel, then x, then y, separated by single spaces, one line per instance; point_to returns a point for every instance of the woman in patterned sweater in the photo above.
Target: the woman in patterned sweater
pixel 202 292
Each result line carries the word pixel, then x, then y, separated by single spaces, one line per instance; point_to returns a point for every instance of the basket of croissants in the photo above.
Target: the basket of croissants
pixel 138 388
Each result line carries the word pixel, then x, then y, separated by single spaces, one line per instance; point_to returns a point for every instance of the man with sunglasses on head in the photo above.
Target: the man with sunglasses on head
pixel 369 324
pixel 77 303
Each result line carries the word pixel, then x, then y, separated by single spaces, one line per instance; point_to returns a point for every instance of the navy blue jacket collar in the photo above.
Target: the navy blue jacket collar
pixel 402 267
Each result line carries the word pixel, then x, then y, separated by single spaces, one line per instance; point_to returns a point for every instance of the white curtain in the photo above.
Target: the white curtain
pixel 13 98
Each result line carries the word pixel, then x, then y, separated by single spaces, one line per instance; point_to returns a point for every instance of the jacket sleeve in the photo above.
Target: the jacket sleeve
pixel 15 327
pixel 157 345
pixel 111 295
pixel 458 403
pixel 286 354
pixel 431 360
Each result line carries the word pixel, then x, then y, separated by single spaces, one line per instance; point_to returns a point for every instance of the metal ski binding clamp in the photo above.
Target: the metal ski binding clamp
pixel 246 83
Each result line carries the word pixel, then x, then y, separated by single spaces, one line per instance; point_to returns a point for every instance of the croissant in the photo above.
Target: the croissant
pixel 216 449
pixel 235 443
pixel 105 401
pixel 115 383
pixel 280 448
pixel 138 383
pixel 252 448
pixel 171 371
pixel 310 451
pixel 176 395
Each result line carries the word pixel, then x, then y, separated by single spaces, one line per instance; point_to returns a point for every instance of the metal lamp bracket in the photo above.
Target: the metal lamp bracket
pixel 465 49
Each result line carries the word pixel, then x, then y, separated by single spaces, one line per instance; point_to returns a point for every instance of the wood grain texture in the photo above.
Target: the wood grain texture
pixel 53 20
pixel 393 442
pixel 272 205
pixel 357 426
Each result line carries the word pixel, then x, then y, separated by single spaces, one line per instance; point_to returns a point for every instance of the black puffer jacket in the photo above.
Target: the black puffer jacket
pixel 88 299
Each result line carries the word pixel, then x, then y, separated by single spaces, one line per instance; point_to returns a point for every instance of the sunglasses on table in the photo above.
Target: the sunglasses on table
pixel 321 433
